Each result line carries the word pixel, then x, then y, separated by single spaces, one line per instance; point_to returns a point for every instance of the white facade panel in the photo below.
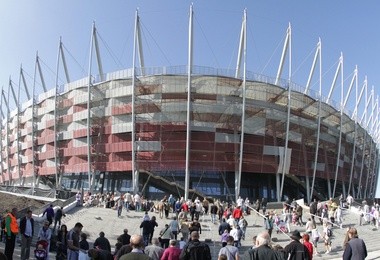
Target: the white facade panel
pixel 154 146
pixel 227 138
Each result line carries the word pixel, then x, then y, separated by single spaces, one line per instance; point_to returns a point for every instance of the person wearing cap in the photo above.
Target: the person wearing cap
pixel 355 248
pixel 295 250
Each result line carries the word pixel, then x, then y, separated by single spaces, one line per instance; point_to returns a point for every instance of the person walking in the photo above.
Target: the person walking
pixel 11 231
pixel 49 214
pixel 154 251
pixel 45 234
pixel 268 221
pixel 146 228
pixel 295 250
pixel 102 242
pixel 166 234
pixel 61 245
pixel 327 233
pixel 27 232
pixel 120 204
pixel 262 250
pixel 308 245
pixel 73 242
pixel 172 252
pixel 58 217
pixel 213 211
pixel 125 238
pixel 137 201
pixel 231 251
pixel 174 226
pixel 153 225
pixel 137 253
pixel 195 249
pixel 355 248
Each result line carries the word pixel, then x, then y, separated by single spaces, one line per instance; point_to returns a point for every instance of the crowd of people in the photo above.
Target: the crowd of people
pixel 180 237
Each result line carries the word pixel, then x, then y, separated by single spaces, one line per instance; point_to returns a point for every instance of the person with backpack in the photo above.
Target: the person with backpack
pixel 195 249
pixel 231 251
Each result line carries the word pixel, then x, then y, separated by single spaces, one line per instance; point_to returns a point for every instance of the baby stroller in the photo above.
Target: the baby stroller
pixel 281 226
pixel 40 252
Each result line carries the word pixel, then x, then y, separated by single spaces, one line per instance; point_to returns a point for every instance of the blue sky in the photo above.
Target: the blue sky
pixel 351 27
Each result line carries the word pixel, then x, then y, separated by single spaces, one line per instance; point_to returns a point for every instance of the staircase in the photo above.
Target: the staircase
pixel 169 186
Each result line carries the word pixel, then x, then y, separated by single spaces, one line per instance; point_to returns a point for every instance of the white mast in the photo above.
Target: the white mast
pixel 188 116
pixel 244 41
pixel 286 162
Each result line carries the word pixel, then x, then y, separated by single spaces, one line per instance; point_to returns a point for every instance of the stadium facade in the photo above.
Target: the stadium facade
pixel 184 129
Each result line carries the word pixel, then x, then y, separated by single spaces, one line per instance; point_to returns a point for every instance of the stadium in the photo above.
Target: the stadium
pixel 192 131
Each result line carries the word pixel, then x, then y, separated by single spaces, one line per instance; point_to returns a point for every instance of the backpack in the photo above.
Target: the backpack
pixel 329 232
pixel 195 251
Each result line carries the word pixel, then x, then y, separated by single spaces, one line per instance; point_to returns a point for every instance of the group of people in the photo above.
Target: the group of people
pixel 184 222
pixel 300 248
pixel 25 229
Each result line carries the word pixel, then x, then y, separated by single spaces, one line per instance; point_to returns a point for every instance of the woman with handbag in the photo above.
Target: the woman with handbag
pixel 165 236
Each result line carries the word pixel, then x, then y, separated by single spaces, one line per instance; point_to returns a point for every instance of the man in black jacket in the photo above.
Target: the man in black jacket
pixel 223 226
pixel 313 208
pixel 57 218
pixel 102 242
pixel 125 238
pixel 195 249
pixel 26 231
pixel 295 250
pixel 262 249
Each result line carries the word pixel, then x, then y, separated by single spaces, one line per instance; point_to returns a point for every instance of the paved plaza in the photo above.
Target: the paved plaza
pixel 96 219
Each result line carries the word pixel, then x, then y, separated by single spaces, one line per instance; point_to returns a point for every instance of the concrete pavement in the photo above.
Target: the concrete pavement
pixel 96 219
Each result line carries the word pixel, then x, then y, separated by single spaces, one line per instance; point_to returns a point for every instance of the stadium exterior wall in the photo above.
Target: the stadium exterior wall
pixel 54 127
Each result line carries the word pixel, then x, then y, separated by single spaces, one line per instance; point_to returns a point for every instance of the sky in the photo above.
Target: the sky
pixel 349 27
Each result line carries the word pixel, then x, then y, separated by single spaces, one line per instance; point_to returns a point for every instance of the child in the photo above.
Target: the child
pixel 40 253
pixel 83 244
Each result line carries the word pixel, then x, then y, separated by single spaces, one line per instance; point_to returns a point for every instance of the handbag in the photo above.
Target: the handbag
pixel 160 238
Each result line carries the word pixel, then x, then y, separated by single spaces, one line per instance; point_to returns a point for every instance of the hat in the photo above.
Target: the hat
pixel 295 235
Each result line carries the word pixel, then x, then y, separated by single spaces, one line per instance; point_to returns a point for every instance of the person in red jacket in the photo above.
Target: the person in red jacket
pixel 308 245
pixel 237 213
pixel 172 252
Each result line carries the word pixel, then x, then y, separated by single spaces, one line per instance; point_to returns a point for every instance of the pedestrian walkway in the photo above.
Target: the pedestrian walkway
pixel 96 219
